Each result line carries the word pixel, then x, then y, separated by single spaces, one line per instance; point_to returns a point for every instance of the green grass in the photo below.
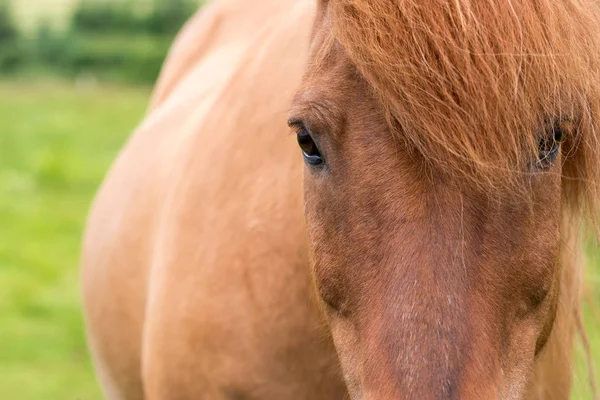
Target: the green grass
pixel 56 143
pixel 581 389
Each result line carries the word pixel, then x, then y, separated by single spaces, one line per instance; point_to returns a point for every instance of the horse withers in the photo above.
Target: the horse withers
pixel 449 155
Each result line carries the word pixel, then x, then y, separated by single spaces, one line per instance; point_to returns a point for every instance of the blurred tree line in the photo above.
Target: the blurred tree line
pixel 107 39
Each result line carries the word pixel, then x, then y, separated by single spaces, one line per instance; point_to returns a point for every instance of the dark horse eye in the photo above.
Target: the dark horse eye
pixel 549 145
pixel 310 151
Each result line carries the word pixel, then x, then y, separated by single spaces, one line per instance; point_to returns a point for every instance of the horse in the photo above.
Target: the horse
pixel 423 243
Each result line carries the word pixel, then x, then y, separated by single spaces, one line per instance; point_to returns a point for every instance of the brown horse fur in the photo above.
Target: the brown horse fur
pixel 445 255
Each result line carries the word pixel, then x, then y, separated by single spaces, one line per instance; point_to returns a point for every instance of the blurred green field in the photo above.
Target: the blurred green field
pixel 108 40
pixel 56 143
pixel 591 317
pixel 30 13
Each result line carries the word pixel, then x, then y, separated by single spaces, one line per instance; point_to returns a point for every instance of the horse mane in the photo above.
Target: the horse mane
pixel 473 85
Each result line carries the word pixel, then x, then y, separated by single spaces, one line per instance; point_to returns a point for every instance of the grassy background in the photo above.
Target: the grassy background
pixel 591 317
pixel 56 143
pixel 30 13
pixel 106 40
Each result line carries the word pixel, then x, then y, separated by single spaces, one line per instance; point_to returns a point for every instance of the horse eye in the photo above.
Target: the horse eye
pixel 310 151
pixel 549 146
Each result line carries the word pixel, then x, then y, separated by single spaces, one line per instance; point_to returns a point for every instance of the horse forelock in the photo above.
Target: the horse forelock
pixel 472 84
